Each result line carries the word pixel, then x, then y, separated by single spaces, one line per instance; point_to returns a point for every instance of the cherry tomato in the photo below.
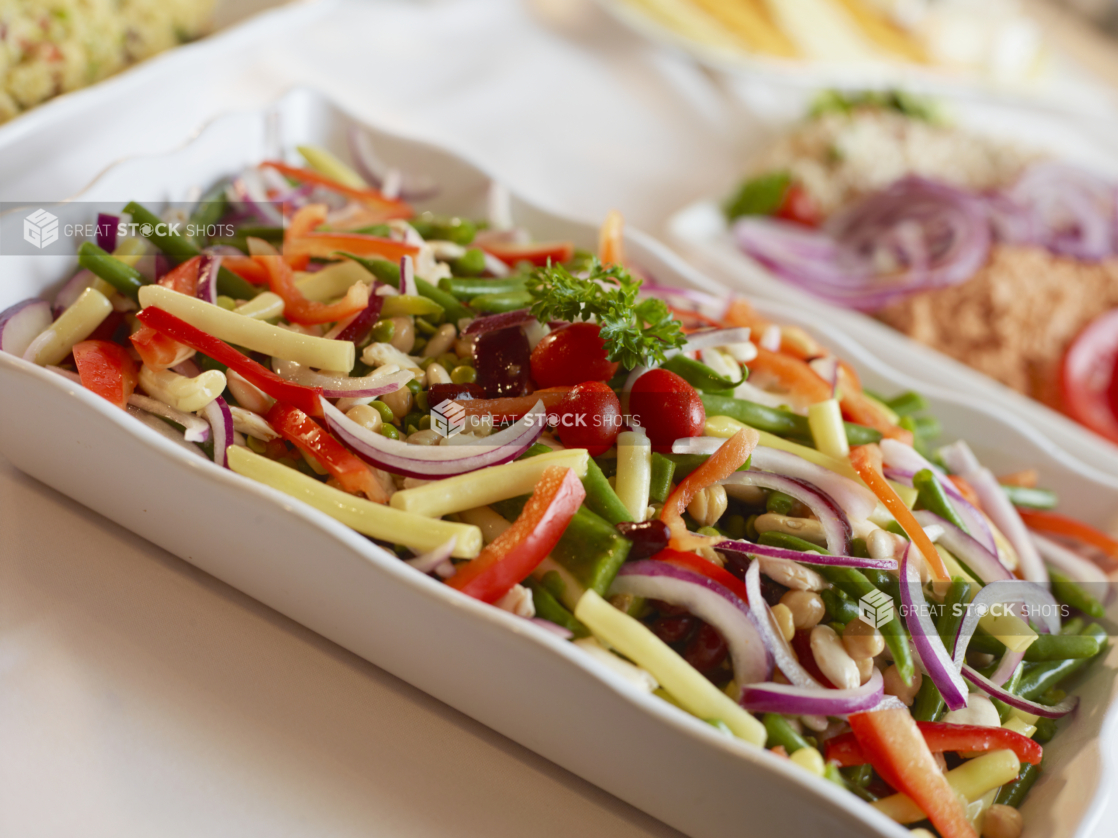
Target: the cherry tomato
pixel 570 356
pixel 589 417
pixel 667 407
pixel 798 206
pixel 1089 378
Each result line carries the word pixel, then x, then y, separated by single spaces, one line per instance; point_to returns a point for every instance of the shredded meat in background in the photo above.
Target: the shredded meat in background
pixel 1014 319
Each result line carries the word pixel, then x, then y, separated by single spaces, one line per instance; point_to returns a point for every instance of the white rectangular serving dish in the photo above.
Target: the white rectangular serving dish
pixel 700 233
pixel 501 670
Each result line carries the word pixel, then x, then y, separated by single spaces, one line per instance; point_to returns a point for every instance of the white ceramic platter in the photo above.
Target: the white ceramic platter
pixel 501 670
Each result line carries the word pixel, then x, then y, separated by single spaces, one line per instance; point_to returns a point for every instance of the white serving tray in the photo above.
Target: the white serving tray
pixel 503 671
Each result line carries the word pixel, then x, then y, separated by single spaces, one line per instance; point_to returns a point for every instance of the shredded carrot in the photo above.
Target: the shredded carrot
pixel 741 313
pixel 611 246
pixel 793 374
pixel 1026 478
pixel 866 460
pixel 861 410
pixel 966 490
pixel 731 456
pixel 1055 524
pixel 387 208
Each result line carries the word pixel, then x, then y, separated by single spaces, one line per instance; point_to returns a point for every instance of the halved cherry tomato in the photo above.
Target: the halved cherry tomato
pixel 106 369
pixel 798 206
pixel 667 407
pixel 514 554
pixel 571 355
pixel 590 418
pixel 537 253
pixel 1089 376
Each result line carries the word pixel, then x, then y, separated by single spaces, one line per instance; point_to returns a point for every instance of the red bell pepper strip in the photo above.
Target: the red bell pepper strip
pixel 895 747
pixel 512 408
pixel 347 468
pixel 297 308
pixel 247 269
pixel 866 460
pixel 696 563
pixel 307 399
pixel 1061 525
pixel 844 750
pixel 106 369
pixel 387 207
pixel 519 549
pixel 183 278
pixel 721 464
pixel 325 245
pixel 157 351
pixel 537 253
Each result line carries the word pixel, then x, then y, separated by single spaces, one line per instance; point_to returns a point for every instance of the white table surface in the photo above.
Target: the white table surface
pixel 139 696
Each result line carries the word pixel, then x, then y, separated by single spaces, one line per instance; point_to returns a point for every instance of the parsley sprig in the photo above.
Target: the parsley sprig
pixel 635 331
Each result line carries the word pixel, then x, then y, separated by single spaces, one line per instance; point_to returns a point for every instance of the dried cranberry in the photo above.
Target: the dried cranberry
pixel 439 393
pixel 503 361
pixel 707 649
pixel 648 537
pixel 673 629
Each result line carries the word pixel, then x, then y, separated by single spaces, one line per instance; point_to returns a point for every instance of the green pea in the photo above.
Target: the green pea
pixel 471 263
pixel 227 303
pixel 389 431
pixel 256 445
pixel 384 331
pixel 780 503
pixel 384 410
pixel 414 386
pixel 426 362
pixel 421 402
pixel 448 360
pixel 420 342
pixel 735 527
pixel 425 421
pixel 463 375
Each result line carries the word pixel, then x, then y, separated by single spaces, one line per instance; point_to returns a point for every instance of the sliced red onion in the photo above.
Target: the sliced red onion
pixel 984 564
pixel 430 562
pixel 961 460
pixel 70 374
pixel 974 519
pixel 362 323
pixel 194 428
pixel 107 230
pixel 208 268
pixel 1044 611
pixel 435 461
pixel 558 630
pixel 412 187
pixel 812 701
pixel 1071 564
pixel 1009 662
pixel 915 235
pixel 855 499
pixel 710 602
pixel 836 526
pixel 750 549
pixel 770 632
pixel 995 691
pixel 221 421
pixel 1071 211
pixel 929 648
pixel 374 384
pixel 68 294
pixel 498 321
pixel 407 277
pixel 22 323
pixel 187 368
pixel 249 190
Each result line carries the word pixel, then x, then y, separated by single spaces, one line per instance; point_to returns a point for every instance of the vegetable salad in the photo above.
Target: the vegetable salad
pixel 709 503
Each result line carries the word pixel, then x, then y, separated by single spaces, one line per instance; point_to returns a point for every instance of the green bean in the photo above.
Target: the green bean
pixel 790 542
pixel 907 403
pixel 453 310
pixel 779 503
pixel 608 465
pixel 404 304
pixel 1047 647
pixel 442 228
pixel 464 289
pixel 687 463
pixel 781 732
pixel 471 263
pixel 124 278
pixel 776 421
pixel 923 427
pixel 885 582
pixel 860 776
pixel 932 498
pixel 535 450
pixel 859 548
pixel 855 585
pixel 549 608
pixel 499 303
pixel 831 772
pixel 384 270
pixel 839 606
pixel 954 609
pixel 928 703
pixel 208 212
pixel 601 498
pixel 1074 595
pixel 1013 793
pixel 1041 677
pixel 1073 626
pixel 1045 730
pixel 268 234
pixel 699 375
pixel 1031 498
pixel 663 470
pixel 1011 685
pixel 381 230
pixel 179 248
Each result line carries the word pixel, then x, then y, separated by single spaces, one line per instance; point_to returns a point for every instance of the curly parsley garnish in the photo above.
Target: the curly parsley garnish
pixel 635 331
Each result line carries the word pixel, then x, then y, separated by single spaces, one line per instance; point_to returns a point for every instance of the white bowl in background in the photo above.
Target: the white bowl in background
pixel 501 670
